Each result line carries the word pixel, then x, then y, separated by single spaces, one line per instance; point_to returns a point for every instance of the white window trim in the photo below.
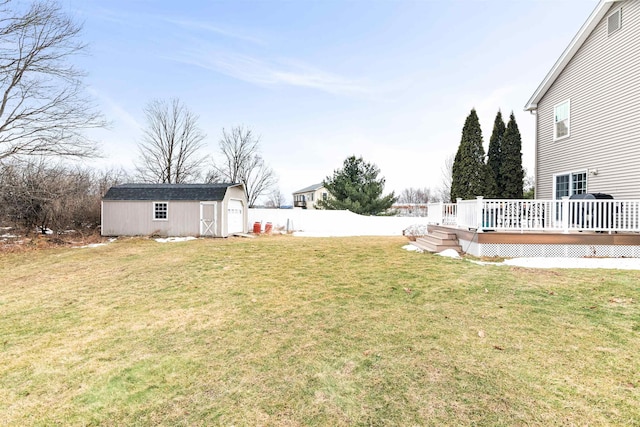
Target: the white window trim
pixel 571 173
pixel 619 11
pixel 153 211
pixel 556 138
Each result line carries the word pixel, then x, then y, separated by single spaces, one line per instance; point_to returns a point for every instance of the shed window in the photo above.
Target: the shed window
pixel 561 120
pixel 614 22
pixel 160 211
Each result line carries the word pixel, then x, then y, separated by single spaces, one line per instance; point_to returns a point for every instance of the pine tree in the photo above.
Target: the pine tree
pixel 357 188
pixel 494 157
pixel 470 173
pixel 511 168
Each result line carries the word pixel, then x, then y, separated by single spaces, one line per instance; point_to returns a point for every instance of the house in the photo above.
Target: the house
pixel 216 210
pixel 309 196
pixel 587 134
pixel 587 121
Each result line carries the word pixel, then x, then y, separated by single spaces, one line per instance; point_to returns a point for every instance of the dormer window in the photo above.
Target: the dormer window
pixel 614 21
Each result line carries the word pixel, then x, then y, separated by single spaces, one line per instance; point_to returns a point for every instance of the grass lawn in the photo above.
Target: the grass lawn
pixel 302 331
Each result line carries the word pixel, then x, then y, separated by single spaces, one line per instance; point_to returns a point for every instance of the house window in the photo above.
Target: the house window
pixel 160 211
pixel 578 183
pixel 614 21
pixel 325 196
pixel 561 120
pixel 570 183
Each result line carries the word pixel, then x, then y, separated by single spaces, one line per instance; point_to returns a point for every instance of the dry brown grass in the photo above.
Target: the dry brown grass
pixel 294 331
pixel 22 241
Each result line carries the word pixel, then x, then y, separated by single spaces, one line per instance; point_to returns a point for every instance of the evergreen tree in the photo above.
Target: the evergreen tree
pixel 471 175
pixel 494 157
pixel 357 188
pixel 511 168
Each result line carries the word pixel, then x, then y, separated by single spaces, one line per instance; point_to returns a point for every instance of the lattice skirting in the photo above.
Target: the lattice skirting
pixel 549 250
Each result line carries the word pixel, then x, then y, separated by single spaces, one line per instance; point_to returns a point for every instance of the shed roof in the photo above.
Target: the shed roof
pixel 205 192
pixel 587 28
pixel 313 187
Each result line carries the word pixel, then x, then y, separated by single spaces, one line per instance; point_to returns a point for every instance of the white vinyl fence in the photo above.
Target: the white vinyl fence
pixel 331 223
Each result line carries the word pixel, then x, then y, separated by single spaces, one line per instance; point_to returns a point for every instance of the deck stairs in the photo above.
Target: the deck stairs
pixel 438 240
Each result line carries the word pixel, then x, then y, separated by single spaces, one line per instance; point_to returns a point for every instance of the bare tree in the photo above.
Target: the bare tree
pixel 242 163
pixel 444 191
pixel 276 199
pixel 529 186
pixel 43 110
pixel 35 193
pixel 170 144
pixel 415 195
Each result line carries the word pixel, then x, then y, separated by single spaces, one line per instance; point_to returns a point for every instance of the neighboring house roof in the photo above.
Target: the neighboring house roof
pixel 161 192
pixel 313 187
pixel 600 11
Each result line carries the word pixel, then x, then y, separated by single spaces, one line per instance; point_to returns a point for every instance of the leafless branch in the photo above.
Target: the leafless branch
pixel 444 191
pixel 276 199
pixel 169 151
pixel 43 110
pixel 242 163
pixel 415 195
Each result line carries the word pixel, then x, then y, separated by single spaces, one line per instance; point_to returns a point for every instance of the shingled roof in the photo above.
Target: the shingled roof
pixel 313 187
pixel 162 192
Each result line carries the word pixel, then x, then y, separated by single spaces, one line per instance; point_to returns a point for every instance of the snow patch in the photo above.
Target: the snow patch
pixel 610 263
pixel 411 248
pixel 175 239
pixel 485 262
pixel 96 245
pixel 449 253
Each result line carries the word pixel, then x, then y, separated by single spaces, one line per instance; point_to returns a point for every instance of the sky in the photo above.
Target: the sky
pixel 319 81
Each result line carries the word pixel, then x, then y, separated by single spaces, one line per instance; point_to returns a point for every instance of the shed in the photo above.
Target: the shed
pixel 215 210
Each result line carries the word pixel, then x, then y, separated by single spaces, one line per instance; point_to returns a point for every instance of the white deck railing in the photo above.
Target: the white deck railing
pixel 539 215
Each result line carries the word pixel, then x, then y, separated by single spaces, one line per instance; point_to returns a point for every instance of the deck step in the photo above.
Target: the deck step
pixel 442 234
pixel 432 243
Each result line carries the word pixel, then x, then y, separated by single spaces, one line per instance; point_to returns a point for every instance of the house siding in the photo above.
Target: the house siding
pixel 135 218
pixel 312 197
pixel 602 82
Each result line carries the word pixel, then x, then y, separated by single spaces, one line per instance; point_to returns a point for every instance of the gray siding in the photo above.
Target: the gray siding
pixel 135 218
pixel 602 81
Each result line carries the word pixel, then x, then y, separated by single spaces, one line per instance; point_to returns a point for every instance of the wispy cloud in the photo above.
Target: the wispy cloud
pixel 234 33
pixel 106 14
pixel 116 110
pixel 271 73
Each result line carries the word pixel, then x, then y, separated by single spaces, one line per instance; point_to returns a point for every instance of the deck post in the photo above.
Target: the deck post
pixel 458 201
pixel 440 213
pixel 479 213
pixel 565 214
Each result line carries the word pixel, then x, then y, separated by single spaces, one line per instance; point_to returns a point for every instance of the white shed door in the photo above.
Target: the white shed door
pixel 235 212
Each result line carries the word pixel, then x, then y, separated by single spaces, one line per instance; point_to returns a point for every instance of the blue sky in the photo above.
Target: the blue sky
pixel 392 81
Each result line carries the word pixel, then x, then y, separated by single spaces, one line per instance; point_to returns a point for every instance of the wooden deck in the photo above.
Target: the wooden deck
pixel 531 243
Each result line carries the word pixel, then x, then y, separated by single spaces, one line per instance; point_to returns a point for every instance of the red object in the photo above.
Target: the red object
pixel 267 228
pixel 256 227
